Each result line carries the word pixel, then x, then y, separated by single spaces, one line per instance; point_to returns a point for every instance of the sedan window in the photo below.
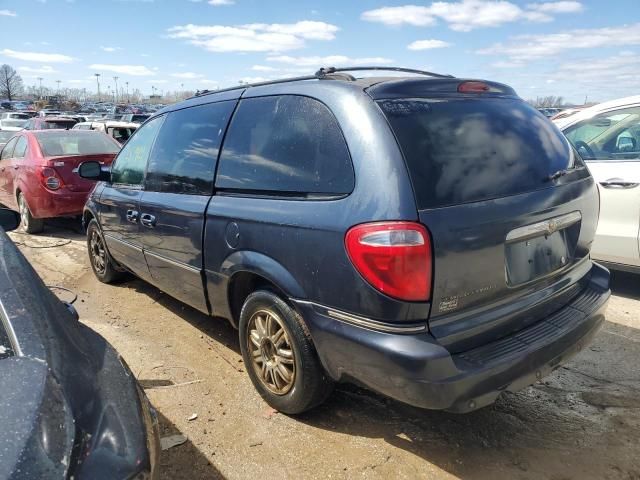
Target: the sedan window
pixel 609 136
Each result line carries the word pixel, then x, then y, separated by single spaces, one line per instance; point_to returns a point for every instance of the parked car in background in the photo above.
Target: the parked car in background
pixel 120 131
pixel 5 135
pixel 71 408
pixel 47 112
pixel 13 121
pixel 607 136
pixel 50 123
pixel 134 117
pixel 36 172
pixel 457 270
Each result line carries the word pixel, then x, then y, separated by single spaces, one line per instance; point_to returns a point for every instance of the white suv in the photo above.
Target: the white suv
pixel 607 136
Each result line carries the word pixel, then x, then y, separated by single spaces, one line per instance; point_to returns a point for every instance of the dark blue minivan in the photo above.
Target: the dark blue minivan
pixel 425 236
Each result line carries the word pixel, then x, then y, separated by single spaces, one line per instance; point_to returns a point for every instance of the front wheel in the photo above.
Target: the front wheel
pixel 101 263
pixel 29 224
pixel 279 356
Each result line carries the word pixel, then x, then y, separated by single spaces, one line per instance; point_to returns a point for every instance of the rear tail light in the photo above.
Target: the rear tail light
pixel 50 178
pixel 473 87
pixel 394 257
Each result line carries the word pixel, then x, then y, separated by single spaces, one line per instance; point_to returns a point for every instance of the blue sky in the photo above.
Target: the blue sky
pixel 568 48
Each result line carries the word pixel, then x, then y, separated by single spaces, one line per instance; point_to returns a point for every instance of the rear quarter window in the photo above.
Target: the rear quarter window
pixel 462 150
pixel 285 144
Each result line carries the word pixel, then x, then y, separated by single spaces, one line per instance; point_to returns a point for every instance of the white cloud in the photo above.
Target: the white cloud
pixel 263 68
pixel 187 75
pixel 254 79
pixel 110 49
pixel 530 47
pixel 330 61
pixel 209 82
pixel 157 81
pixel 43 69
pixel 427 44
pixel 134 70
pixel 556 7
pixel 256 37
pixel 409 14
pixel 217 3
pixel 8 13
pixel 37 57
pixel 467 15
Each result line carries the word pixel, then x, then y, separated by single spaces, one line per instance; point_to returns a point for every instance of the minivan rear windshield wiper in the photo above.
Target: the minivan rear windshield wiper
pixel 557 175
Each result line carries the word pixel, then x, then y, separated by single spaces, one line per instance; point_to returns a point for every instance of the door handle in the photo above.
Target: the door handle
pixel 1 169
pixel 15 167
pixel 148 220
pixel 618 183
pixel 132 216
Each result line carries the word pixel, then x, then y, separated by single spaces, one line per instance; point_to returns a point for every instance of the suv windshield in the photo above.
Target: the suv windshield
pixel 469 150
pixel 74 142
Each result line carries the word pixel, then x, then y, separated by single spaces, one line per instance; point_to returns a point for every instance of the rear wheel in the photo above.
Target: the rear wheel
pixel 279 356
pixel 101 262
pixel 29 224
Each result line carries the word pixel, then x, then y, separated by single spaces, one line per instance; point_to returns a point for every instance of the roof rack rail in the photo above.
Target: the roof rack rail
pixel 324 71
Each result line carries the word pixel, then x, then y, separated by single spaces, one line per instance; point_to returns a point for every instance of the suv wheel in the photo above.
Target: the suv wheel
pixel 101 262
pixel 279 356
pixel 29 224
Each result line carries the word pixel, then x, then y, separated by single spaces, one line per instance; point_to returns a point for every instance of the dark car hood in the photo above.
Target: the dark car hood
pixel 64 371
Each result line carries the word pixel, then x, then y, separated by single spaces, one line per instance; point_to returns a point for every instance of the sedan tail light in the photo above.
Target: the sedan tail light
pixel 394 257
pixel 50 178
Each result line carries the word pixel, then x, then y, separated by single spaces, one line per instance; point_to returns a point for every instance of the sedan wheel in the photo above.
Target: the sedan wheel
pixel 271 352
pixel 29 224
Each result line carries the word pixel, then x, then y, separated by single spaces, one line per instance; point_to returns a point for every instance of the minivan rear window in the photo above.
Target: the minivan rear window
pixel 467 150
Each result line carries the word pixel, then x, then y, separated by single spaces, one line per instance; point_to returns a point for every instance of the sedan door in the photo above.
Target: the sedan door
pixel 610 145
pixel 178 187
pixel 119 202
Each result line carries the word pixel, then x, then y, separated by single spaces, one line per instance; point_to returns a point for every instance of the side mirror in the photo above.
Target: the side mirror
pixel 625 144
pixel 9 219
pixel 94 171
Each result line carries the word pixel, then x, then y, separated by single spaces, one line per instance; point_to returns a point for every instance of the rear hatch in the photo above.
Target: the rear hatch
pixel 511 208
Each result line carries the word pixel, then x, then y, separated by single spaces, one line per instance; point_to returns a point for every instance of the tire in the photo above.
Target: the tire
pixel 267 327
pixel 102 264
pixel 29 224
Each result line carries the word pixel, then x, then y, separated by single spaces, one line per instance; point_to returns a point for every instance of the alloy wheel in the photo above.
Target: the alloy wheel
pixel 98 253
pixel 271 352
pixel 24 211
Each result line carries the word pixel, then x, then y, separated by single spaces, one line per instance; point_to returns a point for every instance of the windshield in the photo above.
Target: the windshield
pixel 75 142
pixel 14 123
pixel 57 124
pixel 467 150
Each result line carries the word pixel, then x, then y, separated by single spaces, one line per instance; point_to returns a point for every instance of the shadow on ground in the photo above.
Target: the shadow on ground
pixel 183 461
pixel 625 284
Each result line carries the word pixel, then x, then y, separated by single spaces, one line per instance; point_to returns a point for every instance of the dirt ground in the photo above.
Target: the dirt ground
pixel 583 421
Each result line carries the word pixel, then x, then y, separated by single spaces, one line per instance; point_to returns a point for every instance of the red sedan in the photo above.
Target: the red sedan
pixel 37 172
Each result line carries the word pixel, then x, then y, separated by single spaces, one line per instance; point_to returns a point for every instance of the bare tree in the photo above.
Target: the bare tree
pixel 10 82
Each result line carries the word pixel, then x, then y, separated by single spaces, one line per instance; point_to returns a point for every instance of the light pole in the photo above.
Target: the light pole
pixel 58 82
pixel 97 75
pixel 115 79
pixel 40 81
pixel 127 84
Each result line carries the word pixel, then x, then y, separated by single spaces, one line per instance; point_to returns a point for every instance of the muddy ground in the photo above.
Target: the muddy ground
pixel 583 421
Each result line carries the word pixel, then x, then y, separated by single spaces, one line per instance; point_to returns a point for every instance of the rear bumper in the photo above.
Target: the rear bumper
pixel 415 369
pixel 61 203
